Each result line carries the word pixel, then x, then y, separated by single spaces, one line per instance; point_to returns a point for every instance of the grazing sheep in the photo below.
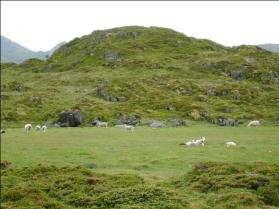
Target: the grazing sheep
pixel 230 144
pixel 129 127
pixel 3 131
pixel 28 127
pixel 38 127
pixel 119 126
pixel 44 128
pixel 253 123
pixel 102 124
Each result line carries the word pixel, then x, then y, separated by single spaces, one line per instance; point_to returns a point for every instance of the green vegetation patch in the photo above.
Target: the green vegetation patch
pixel 76 187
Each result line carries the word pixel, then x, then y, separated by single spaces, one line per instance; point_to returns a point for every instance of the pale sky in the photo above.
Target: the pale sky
pixel 41 25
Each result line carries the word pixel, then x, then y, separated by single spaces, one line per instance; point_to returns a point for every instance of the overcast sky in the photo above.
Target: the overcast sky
pixel 41 25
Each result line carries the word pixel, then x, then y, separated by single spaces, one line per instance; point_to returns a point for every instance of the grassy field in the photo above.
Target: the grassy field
pixel 103 168
pixel 148 152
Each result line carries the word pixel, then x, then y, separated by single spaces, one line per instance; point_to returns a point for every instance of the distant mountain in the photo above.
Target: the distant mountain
pixel 270 47
pixel 14 52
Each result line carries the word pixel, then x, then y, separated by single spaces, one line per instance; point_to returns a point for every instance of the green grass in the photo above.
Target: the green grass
pixel 149 152
pixel 106 168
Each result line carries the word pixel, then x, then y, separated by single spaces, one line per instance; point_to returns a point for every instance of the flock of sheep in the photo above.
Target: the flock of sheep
pixel 192 142
pixel 201 142
pixel 28 128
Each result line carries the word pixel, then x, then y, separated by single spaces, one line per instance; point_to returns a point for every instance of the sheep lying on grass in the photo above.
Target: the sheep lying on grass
pixel 198 142
pixel 253 123
pixel 230 144
pixel 102 124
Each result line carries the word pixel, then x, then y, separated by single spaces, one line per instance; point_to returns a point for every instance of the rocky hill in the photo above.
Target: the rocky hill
pixel 153 73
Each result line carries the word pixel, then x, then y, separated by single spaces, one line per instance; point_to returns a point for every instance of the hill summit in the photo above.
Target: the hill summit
pixel 153 73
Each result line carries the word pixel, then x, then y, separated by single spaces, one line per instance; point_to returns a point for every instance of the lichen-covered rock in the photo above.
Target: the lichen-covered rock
pixel 175 122
pixel 270 77
pixel 70 118
pixel 112 56
pixel 237 75
pixel 226 122
pixel 122 34
pixel 129 120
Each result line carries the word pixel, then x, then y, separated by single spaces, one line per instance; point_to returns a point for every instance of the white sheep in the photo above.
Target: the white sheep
pixel 230 144
pixel 102 124
pixel 119 126
pixel 44 128
pixel 38 127
pixel 253 123
pixel 3 131
pixel 197 142
pixel 129 127
pixel 189 143
pixel 200 141
pixel 28 127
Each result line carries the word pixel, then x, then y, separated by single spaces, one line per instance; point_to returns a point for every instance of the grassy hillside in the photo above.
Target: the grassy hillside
pixel 151 72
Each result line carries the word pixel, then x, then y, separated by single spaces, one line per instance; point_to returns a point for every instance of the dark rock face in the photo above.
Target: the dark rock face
pixel 134 35
pixel 237 75
pixel 122 35
pixel 177 122
pixel 71 118
pixel 102 92
pixel 112 56
pixel 129 120
pixel 226 122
